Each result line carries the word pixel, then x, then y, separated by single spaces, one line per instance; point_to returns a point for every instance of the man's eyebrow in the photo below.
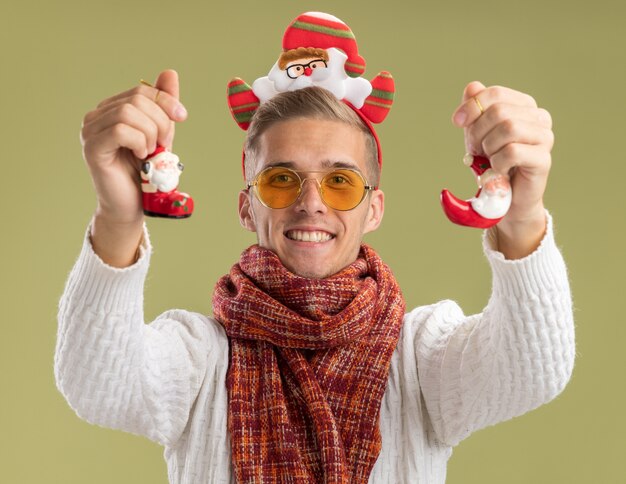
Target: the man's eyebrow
pixel 340 164
pixel 283 164
pixel 325 164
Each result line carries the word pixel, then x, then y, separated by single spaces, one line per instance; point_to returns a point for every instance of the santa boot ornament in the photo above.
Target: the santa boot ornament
pixel 160 173
pixel 488 206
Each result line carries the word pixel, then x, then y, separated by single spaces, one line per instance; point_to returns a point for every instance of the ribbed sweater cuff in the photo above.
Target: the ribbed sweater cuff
pixel 102 287
pixel 540 271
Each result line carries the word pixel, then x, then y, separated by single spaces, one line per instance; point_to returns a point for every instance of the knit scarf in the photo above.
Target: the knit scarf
pixel 309 364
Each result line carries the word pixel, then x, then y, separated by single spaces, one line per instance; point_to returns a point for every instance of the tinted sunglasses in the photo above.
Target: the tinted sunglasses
pixel 340 188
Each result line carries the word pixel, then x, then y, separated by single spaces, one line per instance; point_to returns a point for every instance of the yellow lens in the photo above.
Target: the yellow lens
pixel 343 189
pixel 278 187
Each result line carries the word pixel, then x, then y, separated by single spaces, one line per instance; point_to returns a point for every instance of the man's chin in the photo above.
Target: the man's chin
pixel 310 266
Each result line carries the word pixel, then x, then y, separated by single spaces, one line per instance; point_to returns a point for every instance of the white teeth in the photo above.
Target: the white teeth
pixel 306 236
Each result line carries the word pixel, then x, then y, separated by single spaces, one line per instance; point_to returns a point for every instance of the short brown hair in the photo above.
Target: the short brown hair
pixel 310 102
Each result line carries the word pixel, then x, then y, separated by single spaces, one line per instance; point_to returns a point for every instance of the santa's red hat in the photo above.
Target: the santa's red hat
pixel 159 149
pixel 323 31
pixel 161 153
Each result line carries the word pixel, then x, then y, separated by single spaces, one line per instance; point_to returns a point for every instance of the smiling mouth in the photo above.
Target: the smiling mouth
pixel 307 236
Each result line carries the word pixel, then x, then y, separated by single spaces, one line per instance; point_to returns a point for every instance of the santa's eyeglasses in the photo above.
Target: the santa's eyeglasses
pixel 296 70
pixel 340 188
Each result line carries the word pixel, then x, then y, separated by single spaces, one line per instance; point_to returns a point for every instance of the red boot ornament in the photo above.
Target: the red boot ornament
pixel 488 206
pixel 160 173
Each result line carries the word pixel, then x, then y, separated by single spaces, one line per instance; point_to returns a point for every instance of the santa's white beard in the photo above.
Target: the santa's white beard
pixel 164 180
pixel 299 83
pixel 492 204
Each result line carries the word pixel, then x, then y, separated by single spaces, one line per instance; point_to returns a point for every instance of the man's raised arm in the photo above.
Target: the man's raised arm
pixel 519 352
pixel 113 369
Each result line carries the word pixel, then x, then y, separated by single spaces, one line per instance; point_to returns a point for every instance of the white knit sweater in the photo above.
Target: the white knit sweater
pixel 450 375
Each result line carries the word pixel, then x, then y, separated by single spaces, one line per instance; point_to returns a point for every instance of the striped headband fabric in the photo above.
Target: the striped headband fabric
pixel 338 70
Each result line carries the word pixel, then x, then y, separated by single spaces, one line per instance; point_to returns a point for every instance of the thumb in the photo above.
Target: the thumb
pixel 472 89
pixel 168 82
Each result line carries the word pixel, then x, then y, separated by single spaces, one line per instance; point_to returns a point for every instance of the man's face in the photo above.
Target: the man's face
pixel 311 239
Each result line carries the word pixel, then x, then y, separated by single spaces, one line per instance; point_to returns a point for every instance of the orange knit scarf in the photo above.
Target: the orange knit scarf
pixel 308 367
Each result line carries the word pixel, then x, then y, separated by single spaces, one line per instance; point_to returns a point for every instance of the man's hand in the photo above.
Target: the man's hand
pixel 116 137
pixel 517 137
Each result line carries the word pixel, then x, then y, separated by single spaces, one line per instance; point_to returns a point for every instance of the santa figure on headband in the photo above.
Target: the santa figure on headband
pixel 318 50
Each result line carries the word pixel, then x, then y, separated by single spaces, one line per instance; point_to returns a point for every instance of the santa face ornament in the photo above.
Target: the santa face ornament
pixel 488 206
pixel 160 174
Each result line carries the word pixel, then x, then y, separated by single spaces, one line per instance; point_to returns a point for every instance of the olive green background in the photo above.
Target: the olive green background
pixel 59 59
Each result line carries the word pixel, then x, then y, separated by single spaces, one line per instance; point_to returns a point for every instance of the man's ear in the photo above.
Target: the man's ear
pixel 246 215
pixel 375 211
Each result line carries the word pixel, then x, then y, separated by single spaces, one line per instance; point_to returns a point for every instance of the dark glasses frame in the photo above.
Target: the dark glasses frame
pixel 293 67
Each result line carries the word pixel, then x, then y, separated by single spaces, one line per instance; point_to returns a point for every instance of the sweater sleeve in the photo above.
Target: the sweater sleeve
pixel 517 354
pixel 116 371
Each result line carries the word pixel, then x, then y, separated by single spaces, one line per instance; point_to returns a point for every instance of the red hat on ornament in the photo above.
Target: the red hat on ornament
pixel 159 149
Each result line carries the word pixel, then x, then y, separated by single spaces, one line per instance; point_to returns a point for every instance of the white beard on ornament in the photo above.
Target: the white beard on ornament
pixel 165 180
pixel 492 204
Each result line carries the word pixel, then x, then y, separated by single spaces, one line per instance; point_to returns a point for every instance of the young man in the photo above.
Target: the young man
pixel 310 370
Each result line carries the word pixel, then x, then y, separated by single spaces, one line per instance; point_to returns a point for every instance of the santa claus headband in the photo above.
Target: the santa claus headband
pixel 318 50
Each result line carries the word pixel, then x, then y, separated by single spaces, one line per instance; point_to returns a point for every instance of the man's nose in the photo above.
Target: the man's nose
pixel 308 71
pixel 310 199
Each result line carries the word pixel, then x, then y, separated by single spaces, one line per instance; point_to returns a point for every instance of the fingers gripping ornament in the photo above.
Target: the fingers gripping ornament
pixel 488 206
pixel 318 50
pixel 160 173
